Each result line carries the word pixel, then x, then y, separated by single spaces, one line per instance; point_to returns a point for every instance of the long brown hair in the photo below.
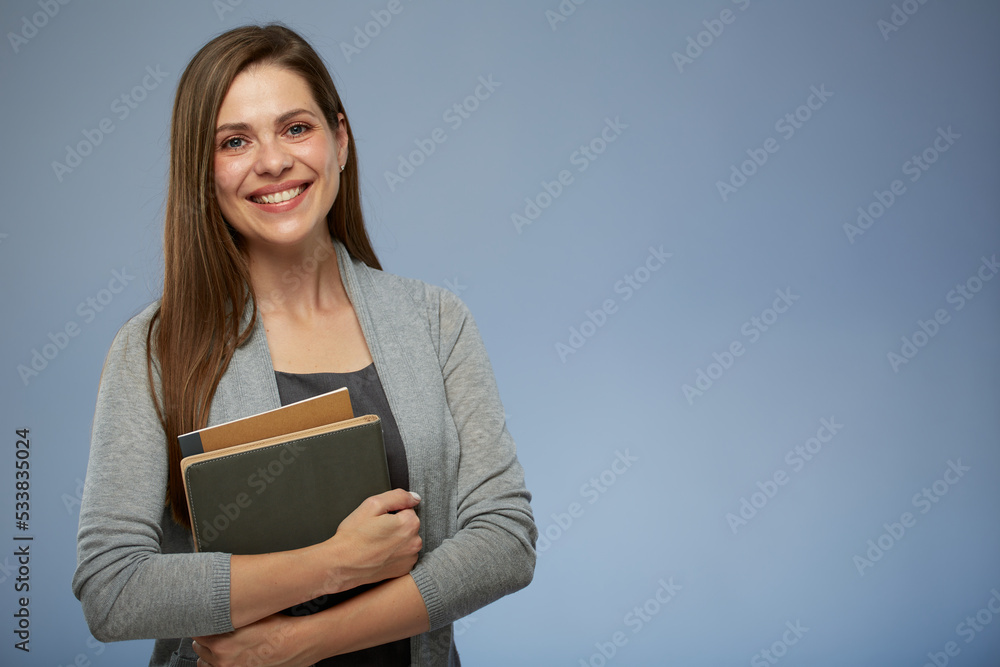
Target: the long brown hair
pixel 206 282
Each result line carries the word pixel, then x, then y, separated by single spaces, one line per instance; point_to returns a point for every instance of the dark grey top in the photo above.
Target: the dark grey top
pixel 367 398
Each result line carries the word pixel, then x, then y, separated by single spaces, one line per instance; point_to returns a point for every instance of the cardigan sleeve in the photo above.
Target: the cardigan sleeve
pixel 492 553
pixel 129 586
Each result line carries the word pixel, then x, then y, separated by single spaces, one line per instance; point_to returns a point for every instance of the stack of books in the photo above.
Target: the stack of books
pixel 282 479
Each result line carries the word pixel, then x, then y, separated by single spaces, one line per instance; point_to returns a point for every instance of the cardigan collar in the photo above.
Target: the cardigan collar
pixel 249 386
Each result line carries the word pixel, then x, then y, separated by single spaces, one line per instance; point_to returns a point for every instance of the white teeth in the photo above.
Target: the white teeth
pixel 279 197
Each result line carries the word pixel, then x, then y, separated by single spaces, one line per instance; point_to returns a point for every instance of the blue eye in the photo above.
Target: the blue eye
pixel 233 142
pixel 298 129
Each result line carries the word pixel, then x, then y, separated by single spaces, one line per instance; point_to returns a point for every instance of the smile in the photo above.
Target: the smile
pixel 279 197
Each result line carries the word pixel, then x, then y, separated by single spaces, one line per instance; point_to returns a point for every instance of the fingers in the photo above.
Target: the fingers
pixel 392 501
pixel 263 642
pixel 379 540
pixel 387 518
pixel 203 652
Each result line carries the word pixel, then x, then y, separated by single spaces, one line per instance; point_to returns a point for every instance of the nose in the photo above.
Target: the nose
pixel 272 157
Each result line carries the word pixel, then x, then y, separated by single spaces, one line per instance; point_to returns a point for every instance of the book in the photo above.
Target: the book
pixel 284 492
pixel 333 406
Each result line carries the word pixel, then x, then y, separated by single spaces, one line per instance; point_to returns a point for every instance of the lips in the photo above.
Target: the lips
pixel 279 197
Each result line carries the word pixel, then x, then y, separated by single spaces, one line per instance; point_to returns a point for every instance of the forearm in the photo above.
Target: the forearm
pixel 378 541
pixel 264 584
pixel 392 610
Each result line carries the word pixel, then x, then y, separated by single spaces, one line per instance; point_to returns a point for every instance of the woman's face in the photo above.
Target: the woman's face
pixel 277 161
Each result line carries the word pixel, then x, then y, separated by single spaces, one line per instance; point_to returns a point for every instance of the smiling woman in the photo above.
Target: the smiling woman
pixel 263 186
pixel 277 161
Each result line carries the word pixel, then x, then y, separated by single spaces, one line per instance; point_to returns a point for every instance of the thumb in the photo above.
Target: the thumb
pixel 397 499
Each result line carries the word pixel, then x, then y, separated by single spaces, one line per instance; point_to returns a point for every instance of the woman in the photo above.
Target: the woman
pixel 272 292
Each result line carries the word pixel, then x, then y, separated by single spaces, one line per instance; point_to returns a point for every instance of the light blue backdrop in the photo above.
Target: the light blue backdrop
pixel 753 417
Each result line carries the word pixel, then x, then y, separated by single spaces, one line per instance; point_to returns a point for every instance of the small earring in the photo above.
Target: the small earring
pixel 342 167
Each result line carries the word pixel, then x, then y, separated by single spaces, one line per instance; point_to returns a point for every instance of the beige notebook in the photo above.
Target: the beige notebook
pixel 333 406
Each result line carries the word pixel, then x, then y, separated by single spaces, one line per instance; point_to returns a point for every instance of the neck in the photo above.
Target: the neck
pixel 297 281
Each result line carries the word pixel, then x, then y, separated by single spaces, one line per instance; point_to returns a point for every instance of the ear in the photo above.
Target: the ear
pixel 342 139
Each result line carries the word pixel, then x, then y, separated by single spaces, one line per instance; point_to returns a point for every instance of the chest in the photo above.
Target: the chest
pixel 330 342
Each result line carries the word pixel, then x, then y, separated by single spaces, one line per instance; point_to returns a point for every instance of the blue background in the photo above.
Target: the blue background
pixel 668 466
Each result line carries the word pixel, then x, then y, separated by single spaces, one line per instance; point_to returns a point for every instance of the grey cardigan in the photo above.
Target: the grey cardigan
pixel 136 574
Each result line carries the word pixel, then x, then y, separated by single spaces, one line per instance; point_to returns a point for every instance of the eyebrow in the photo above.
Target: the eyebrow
pixel 280 120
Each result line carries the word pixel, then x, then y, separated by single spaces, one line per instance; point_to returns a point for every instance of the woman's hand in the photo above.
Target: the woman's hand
pixel 377 541
pixel 270 642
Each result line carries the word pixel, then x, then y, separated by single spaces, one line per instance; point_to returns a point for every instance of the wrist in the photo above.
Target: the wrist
pixel 302 638
pixel 329 567
pixel 321 634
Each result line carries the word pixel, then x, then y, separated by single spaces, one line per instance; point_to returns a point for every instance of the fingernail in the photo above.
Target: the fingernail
pixel 416 496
